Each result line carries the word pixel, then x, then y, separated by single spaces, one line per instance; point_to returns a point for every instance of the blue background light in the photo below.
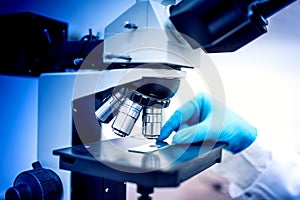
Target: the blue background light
pixel 80 15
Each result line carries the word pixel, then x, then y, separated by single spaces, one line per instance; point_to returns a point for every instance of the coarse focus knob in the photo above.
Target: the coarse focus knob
pixel 36 184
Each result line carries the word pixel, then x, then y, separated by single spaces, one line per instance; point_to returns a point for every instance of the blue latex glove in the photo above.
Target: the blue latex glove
pixel 205 119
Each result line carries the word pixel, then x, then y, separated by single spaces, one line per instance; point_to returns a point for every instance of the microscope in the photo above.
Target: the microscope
pixel 133 73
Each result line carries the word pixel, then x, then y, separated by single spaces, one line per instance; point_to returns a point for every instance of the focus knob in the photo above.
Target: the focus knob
pixel 36 184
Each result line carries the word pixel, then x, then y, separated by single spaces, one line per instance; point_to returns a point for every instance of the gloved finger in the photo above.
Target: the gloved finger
pixel 171 125
pixel 183 126
pixel 182 115
pixel 164 135
pixel 191 134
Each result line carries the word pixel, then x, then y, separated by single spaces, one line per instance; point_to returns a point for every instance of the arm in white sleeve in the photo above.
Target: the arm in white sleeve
pixel 257 173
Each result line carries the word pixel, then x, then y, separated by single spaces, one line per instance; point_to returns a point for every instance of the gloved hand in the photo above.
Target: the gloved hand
pixel 203 118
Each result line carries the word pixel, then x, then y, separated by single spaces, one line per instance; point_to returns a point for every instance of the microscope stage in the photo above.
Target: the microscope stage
pixel 122 160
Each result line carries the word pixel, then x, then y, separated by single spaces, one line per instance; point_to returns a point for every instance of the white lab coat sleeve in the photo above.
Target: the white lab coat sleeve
pixel 259 174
